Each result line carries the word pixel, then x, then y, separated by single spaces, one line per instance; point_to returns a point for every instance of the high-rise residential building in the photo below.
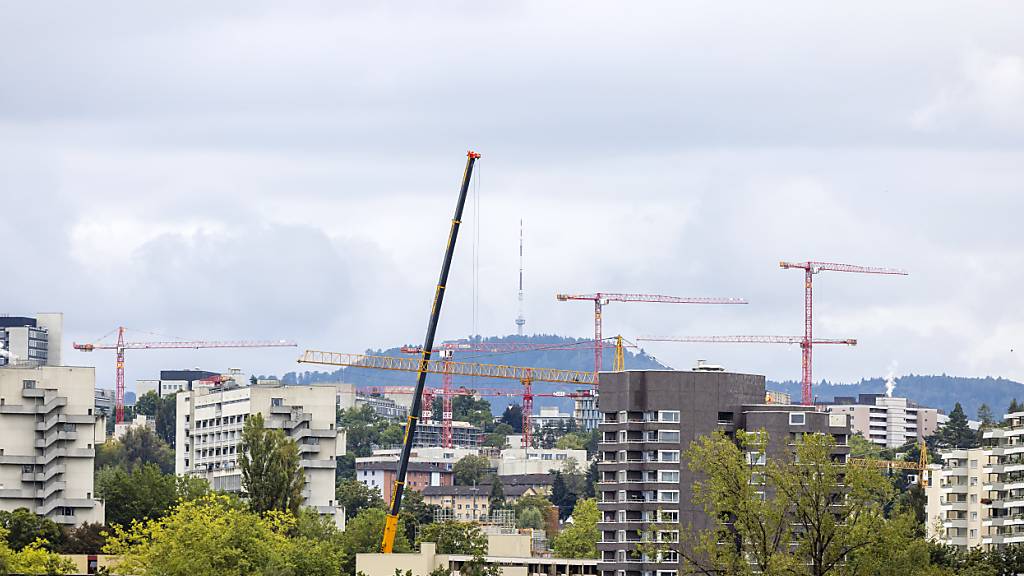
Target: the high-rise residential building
pixel 585 410
pixel 31 341
pixel 887 421
pixel 976 496
pixel 50 432
pixel 649 420
pixel 209 430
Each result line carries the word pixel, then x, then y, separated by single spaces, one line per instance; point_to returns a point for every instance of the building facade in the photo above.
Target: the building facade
pixel 472 503
pixel 584 410
pixel 209 430
pixel 887 421
pixel 381 475
pixel 31 340
pixel 518 461
pixel 649 420
pixel 464 434
pixel 511 553
pixel 174 381
pixel 976 497
pixel 50 430
pixel 550 416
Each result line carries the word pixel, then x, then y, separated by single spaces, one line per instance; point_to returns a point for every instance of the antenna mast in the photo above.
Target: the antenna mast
pixel 521 319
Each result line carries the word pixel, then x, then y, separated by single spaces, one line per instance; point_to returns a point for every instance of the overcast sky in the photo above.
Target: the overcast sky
pixel 288 170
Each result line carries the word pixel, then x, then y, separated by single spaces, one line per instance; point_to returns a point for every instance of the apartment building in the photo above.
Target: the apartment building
pixel 464 434
pixel 584 410
pixel 381 474
pixel 518 461
pixel 887 421
pixel 976 497
pixel 550 416
pixel 649 420
pixel 50 431
pixel 472 503
pixel 174 381
pixel 31 340
pixel 209 430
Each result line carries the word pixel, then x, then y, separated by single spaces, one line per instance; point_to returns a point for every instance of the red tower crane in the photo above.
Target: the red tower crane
pixel 121 346
pixel 602 298
pixel 811 268
pixel 446 352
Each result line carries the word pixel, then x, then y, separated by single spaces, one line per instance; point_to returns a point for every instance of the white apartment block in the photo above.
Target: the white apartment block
pixel 887 421
pixel 584 410
pixel 517 461
pixel 209 430
pixel 50 432
pixel 977 496
pixel 31 340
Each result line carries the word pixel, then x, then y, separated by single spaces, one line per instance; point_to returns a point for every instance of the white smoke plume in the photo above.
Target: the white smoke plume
pixel 890 379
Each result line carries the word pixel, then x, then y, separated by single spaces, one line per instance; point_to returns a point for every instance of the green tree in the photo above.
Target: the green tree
pixel 861 447
pixel 215 536
pixel 142 493
pixel 579 539
pixel 573 441
pixel 904 551
pixel 499 438
pixel 32 559
pixel 453 537
pixel 356 496
pixel 1014 407
pixel 415 513
pixel 986 416
pixel 496 499
pixel 813 514
pixel 272 476
pixel 147 404
pixel 530 517
pixel 86 538
pixel 166 418
pixel 364 534
pixel 471 470
pixel 24 527
pixel 956 433
pixel 137 446
pixel 513 417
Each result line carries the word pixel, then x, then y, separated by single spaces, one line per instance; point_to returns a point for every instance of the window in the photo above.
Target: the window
pixel 668 416
pixel 668 436
pixel 669 516
pixel 668 476
pixel 974 515
pixel 28 384
pixel 974 463
pixel 797 418
pixel 668 456
pixel 974 533
pixel 974 498
pixel 668 495
pixel 621 515
pixel 669 556
pixel 668 536
pixel 974 480
pixel 277 401
pixel 756 458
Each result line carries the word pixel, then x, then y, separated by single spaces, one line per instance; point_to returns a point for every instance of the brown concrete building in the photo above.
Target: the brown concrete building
pixel 649 419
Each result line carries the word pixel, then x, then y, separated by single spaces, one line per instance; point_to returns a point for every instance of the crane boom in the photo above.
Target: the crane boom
pixel 189 345
pixel 606 297
pixel 391 523
pixel 747 339
pixel 455 368
pixel 815 267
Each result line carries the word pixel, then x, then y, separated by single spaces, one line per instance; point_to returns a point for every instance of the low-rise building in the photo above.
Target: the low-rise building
pixel 386 408
pixel 550 416
pixel 381 474
pixel 471 503
pixel 209 430
pixel 140 422
pixel 50 432
pixel 516 461
pixel 464 434
pixel 887 421
pixel 174 381
pixel 512 553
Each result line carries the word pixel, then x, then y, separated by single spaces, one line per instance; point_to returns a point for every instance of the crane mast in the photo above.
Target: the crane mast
pixel 391 523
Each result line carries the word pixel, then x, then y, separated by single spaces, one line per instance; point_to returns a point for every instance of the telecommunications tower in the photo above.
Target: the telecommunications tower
pixel 521 319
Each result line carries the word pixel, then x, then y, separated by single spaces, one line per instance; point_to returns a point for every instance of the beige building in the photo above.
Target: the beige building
pixel 518 461
pixel 50 432
pixel 209 429
pixel 471 503
pixel 887 421
pixel 511 552
pixel 977 496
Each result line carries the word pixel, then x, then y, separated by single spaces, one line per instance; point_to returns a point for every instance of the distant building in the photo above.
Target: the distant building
pixel 470 503
pixel 518 461
pixel 105 400
pixel 31 340
pixel 380 474
pixel 585 410
pixel 886 421
pixel 140 422
pixel 144 386
pixel 550 415
pixel 386 408
pixel 777 397
pixel 209 429
pixel 174 381
pixel 50 432
pixel 513 553
pixel 464 434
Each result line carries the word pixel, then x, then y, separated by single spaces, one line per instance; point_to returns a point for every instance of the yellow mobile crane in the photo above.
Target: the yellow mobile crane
pixel 921 466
